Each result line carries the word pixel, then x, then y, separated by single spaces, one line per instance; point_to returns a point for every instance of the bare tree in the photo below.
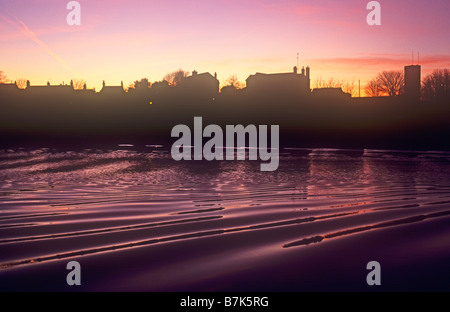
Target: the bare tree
pixel 175 77
pixel 350 87
pixel 391 82
pixel 78 84
pixel 21 83
pixel 130 87
pixel 372 89
pixel 2 77
pixel 234 82
pixel 318 83
pixel 436 85
pixel 330 83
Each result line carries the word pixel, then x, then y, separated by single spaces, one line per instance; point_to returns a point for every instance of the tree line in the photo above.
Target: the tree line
pixel 387 83
pixel 391 83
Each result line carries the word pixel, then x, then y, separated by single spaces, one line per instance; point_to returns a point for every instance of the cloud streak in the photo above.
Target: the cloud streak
pixel 31 35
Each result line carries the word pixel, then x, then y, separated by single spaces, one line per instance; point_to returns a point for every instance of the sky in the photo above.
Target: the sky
pixel 126 40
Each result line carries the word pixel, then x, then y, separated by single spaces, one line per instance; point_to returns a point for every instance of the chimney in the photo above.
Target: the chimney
pixel 308 82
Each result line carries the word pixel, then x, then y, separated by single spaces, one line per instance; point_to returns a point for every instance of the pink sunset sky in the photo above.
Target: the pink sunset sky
pixel 125 40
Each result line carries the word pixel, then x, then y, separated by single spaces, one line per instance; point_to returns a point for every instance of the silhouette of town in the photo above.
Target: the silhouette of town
pixel 319 117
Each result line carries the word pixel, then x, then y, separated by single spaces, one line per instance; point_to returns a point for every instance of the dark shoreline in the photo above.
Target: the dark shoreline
pixel 304 120
pixel 432 141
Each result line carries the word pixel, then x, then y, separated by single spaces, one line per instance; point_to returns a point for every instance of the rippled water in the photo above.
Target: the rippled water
pixel 138 220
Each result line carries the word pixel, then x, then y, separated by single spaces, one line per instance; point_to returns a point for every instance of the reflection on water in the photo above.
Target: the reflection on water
pixel 223 225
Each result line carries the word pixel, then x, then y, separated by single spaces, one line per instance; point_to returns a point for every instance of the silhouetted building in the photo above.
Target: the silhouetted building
pixel 281 83
pixel 8 88
pixel 203 85
pixel 112 90
pixel 332 93
pixel 160 87
pixel 85 91
pixel 229 90
pixel 412 81
pixel 61 90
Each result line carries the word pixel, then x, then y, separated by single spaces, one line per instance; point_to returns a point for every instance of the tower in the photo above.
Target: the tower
pixel 412 81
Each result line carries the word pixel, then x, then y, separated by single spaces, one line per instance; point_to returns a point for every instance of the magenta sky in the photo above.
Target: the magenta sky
pixel 130 39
